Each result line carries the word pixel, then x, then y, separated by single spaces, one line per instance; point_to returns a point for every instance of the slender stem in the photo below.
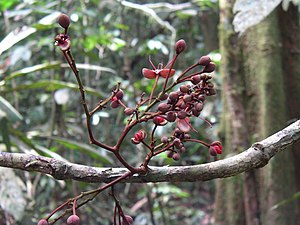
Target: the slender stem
pixel 167 78
pixel 154 86
pixel 187 70
pixel 197 141
pixel 70 59
pixel 94 193
pixel 74 207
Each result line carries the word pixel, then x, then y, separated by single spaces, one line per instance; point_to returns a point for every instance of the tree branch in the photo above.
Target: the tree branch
pixel 255 157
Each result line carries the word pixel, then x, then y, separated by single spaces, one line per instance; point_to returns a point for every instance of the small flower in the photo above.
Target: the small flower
pixel 160 121
pixel 139 137
pixel 63 41
pixel 159 71
pixel 152 74
pixel 215 148
pixel 184 125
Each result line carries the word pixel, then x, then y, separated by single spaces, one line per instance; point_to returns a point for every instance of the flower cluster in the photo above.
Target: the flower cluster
pixel 173 105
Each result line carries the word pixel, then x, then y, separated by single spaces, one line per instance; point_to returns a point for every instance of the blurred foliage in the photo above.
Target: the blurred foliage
pixel 40 111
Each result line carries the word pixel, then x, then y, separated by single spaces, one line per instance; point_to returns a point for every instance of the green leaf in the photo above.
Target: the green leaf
pixel 31 69
pixel 54 65
pixel 172 189
pixel 284 202
pixel 4 5
pixel 51 85
pixel 11 113
pixel 39 149
pixel 84 148
pixel 15 36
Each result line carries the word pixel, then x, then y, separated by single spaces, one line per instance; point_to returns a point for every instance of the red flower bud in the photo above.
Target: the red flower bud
pixel 171 116
pixel 176 156
pixel 129 220
pixel 182 114
pixel 173 96
pixel 204 60
pixel 196 79
pixel 64 21
pixel 73 220
pixel 128 111
pixel 114 104
pixel 139 137
pixel 43 222
pixel 160 121
pixel 180 46
pixel 210 67
pixel 119 94
pixel 215 148
pixel 163 107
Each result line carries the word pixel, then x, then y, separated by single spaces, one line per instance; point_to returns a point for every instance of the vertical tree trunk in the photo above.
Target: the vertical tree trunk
pixel 255 107
pixel 289 27
pixel 229 203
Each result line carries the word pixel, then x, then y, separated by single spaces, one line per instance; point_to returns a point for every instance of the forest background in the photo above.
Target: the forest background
pixel 255 45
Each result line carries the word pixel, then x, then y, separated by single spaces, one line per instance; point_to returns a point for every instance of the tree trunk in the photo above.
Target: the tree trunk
pixel 255 105
pixel 229 204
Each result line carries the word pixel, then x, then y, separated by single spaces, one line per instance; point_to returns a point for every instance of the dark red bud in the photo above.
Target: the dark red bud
pixel 164 139
pixel 73 220
pixel 43 222
pixel 177 142
pixel 64 21
pixel 173 96
pixel 170 154
pixel 181 114
pixel 129 220
pixel 120 94
pixel 212 151
pixel 196 79
pixel 128 111
pixel 163 107
pixel 215 148
pixel 163 97
pixel 114 104
pixel 187 98
pixel 180 46
pixel 171 116
pixel 201 98
pixel 210 67
pixel 176 156
pixel 204 60
pixel 199 106
pixel 184 88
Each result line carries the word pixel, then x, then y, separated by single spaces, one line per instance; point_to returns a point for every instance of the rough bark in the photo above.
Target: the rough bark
pixel 235 131
pixel 290 49
pixel 255 157
pixel 256 98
